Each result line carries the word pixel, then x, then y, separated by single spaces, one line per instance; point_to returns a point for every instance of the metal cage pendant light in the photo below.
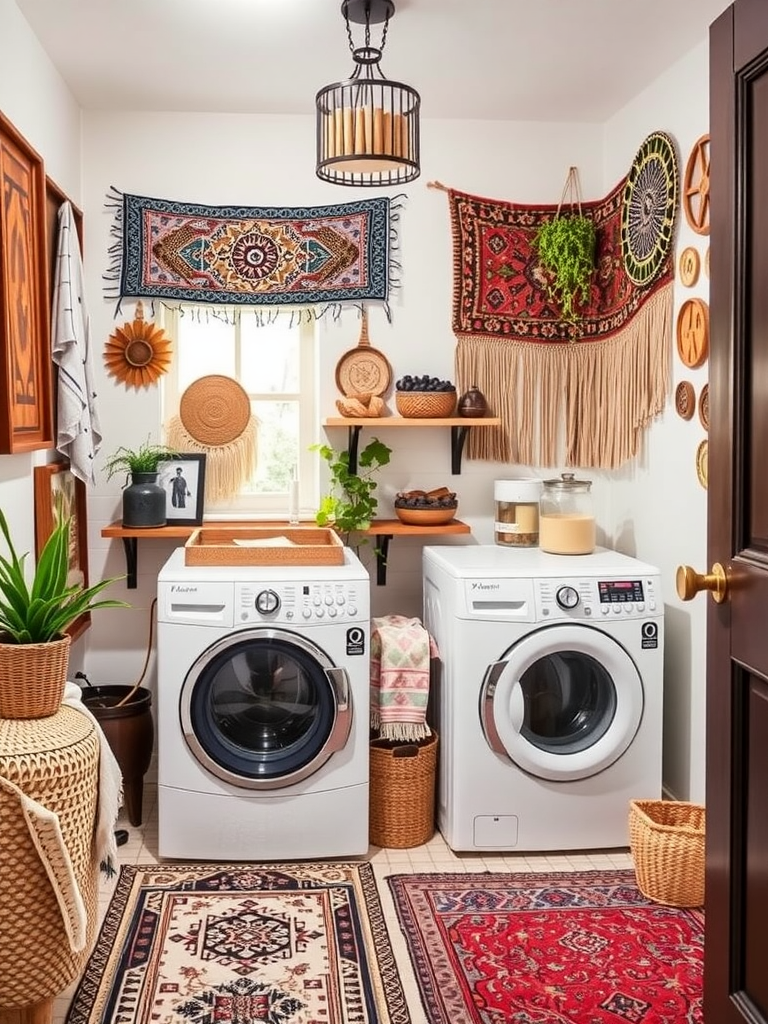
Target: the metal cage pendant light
pixel 367 126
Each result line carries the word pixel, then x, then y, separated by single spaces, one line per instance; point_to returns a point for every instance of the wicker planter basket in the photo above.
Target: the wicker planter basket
pixel 425 404
pixel 402 800
pixel 666 838
pixel 32 678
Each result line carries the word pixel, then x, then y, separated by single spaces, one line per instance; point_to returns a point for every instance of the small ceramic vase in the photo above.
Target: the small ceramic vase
pixel 473 403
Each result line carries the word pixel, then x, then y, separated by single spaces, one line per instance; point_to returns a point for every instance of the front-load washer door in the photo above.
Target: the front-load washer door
pixel 264 708
pixel 563 703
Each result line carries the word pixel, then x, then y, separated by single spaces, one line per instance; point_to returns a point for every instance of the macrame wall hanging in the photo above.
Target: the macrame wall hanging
pixel 215 418
pixel 569 392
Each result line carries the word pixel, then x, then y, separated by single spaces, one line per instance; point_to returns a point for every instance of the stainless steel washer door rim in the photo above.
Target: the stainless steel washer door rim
pixel 264 708
pixel 592 695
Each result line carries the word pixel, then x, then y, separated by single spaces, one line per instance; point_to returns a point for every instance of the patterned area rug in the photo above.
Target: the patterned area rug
pixel 268 256
pixel 571 948
pixel 242 944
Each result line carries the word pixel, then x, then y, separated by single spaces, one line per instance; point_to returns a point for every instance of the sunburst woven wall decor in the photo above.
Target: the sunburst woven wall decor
pixel 138 353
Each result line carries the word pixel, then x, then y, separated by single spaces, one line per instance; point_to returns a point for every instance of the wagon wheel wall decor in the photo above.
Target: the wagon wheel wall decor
pixel 696 187
pixel 648 209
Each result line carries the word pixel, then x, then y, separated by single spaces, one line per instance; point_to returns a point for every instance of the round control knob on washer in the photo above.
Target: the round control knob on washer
pixel 307 613
pixel 267 602
pixel 567 597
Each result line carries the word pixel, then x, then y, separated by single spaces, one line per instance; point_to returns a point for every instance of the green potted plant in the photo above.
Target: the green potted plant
pixel 34 650
pixel 351 503
pixel 143 497
pixel 566 248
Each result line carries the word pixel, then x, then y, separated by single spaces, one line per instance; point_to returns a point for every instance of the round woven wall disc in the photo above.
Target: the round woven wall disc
pixel 693 332
pixel 689 266
pixel 648 210
pixel 685 399
pixel 215 410
pixel 702 463
pixel 704 407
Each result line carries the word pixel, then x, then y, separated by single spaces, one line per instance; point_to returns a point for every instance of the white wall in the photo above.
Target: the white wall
pixel 34 98
pixel 658 507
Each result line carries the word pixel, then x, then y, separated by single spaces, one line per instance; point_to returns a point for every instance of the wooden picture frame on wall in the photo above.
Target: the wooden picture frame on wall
pixel 51 481
pixel 26 377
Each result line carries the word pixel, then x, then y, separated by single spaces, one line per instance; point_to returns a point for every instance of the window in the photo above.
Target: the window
pixel 273 358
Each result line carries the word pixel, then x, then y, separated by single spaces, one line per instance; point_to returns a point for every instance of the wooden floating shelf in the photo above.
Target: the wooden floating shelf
pixel 383 529
pixel 459 425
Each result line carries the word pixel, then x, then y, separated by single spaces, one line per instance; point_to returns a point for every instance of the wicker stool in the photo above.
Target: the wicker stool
pixel 54 761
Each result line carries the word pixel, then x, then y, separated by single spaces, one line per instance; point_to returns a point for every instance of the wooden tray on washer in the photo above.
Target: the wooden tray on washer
pixel 253 545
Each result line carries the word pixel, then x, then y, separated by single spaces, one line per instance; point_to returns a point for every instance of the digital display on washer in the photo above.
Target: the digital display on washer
pixel 618 591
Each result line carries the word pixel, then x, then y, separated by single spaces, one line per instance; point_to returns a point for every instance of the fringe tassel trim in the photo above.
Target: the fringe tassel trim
pixel 585 404
pixel 227 466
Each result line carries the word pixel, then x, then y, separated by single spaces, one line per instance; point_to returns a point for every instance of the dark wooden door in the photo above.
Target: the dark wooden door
pixel 736 914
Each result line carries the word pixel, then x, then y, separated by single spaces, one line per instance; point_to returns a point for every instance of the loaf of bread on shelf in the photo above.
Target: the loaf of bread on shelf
pixel 360 405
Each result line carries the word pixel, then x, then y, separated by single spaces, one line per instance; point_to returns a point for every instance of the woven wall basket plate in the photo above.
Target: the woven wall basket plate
pixel 648 209
pixel 215 410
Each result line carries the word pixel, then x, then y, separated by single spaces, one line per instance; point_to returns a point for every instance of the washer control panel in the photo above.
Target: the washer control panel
pixel 578 599
pixel 304 603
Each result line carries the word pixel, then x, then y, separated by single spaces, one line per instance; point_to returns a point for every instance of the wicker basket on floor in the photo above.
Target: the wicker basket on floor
pixel 666 838
pixel 402 799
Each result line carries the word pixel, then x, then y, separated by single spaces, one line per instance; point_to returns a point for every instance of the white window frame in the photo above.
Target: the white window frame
pixel 275 504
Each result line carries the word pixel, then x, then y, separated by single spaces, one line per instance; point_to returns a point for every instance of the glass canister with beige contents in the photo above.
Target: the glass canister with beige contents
pixel 566 516
pixel 517 512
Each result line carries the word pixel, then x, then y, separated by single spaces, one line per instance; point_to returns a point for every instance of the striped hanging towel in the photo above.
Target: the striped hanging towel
pixel 401 649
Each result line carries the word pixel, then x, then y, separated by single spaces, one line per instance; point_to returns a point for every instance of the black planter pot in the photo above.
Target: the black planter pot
pixel 144 502
pixel 130 732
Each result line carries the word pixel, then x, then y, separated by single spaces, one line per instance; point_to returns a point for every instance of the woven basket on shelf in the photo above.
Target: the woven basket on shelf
pixel 402 799
pixel 666 838
pixel 425 404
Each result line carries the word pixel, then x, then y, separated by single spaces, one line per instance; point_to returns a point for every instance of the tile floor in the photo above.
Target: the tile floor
pixel 435 855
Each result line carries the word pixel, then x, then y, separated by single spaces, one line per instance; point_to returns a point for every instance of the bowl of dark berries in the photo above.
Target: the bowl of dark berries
pixel 426 508
pixel 425 397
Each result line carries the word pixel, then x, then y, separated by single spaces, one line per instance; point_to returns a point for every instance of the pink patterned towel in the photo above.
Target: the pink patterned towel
pixel 400 653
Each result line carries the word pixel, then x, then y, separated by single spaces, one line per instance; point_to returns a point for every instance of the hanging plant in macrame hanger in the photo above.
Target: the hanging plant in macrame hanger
pixel 566 249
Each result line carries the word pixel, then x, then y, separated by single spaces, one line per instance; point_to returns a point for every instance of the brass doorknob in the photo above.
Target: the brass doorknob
pixel 689 582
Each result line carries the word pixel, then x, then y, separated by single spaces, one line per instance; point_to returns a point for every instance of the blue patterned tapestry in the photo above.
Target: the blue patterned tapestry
pixel 268 256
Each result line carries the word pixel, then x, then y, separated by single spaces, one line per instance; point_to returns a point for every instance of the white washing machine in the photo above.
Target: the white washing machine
pixel 263 710
pixel 548 701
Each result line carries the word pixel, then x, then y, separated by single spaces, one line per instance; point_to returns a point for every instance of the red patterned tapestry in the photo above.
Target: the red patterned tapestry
pixel 568 948
pixel 574 394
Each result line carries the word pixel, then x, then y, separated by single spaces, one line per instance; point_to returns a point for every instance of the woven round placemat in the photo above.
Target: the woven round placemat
pixel 215 410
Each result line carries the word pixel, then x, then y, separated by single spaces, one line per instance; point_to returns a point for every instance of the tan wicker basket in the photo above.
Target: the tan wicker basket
pixel 425 404
pixel 32 678
pixel 402 800
pixel 666 838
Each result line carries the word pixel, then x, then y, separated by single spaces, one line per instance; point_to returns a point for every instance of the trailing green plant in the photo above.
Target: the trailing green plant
pixel 143 459
pixel 351 503
pixel 40 613
pixel 566 248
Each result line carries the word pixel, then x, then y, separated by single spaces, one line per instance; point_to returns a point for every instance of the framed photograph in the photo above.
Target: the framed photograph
pixel 52 480
pixel 26 368
pixel 183 480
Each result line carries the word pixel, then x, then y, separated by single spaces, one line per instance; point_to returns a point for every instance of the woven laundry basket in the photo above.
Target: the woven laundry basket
pixel 55 762
pixel 666 838
pixel 402 797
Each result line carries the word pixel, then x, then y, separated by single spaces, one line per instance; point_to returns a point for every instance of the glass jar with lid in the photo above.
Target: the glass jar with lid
pixel 566 516
pixel 516 523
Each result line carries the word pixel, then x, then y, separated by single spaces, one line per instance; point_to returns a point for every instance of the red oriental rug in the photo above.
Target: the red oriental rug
pixel 570 948
pixel 301 943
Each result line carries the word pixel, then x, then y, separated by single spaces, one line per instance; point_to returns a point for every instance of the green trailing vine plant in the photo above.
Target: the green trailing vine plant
pixel 566 248
pixel 351 503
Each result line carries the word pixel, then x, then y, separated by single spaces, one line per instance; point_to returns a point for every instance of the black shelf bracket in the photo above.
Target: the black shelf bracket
pixel 131 545
pixel 353 439
pixel 458 437
pixel 382 551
